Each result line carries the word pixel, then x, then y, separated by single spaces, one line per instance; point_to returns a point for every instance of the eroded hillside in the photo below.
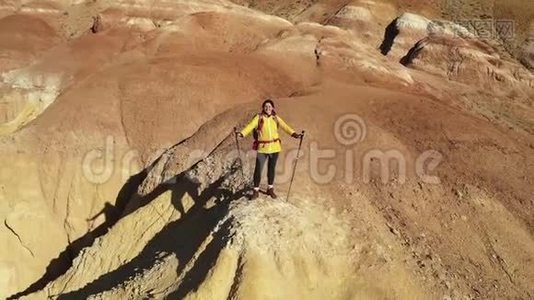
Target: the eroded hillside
pixel 121 178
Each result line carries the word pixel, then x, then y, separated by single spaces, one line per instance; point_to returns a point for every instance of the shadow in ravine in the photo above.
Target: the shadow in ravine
pixel 181 237
pixel 390 34
pixel 112 213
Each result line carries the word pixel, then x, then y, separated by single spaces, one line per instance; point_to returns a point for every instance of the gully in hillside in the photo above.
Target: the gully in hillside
pixel 267 143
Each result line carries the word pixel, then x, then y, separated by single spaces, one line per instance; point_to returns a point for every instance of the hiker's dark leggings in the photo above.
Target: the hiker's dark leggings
pixel 271 167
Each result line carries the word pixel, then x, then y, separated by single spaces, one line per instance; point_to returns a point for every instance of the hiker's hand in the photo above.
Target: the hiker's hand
pixel 296 135
pixel 239 134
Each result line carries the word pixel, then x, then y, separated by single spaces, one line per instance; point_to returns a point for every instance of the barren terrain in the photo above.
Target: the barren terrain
pixel 121 180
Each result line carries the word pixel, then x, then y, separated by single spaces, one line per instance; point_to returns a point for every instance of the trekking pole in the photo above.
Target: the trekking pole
pixel 239 154
pixel 295 166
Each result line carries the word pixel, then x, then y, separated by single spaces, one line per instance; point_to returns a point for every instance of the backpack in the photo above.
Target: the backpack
pixel 256 132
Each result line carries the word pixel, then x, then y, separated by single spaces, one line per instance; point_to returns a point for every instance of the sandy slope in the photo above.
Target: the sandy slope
pixel 119 184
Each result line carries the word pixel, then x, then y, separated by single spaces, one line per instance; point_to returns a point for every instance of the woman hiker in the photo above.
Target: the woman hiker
pixel 267 143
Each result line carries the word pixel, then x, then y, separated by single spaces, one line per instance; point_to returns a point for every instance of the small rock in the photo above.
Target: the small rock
pixel 421 263
pixel 392 229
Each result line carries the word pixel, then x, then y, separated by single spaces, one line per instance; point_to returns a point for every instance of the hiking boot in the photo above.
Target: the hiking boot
pixel 271 193
pixel 255 194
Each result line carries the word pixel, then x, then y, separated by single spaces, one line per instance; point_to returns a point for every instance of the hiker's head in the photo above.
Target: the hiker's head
pixel 268 106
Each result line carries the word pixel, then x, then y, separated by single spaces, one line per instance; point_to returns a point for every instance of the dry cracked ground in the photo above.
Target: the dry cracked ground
pixel 120 177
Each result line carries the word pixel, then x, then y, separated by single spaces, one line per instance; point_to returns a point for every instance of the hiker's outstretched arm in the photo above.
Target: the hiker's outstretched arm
pixel 250 126
pixel 285 127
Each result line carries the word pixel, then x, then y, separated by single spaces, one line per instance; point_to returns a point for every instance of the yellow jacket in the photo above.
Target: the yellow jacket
pixel 268 132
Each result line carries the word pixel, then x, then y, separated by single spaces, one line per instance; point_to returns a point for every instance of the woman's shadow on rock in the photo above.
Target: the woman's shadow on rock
pixel 128 202
pixel 112 213
pixel 182 238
